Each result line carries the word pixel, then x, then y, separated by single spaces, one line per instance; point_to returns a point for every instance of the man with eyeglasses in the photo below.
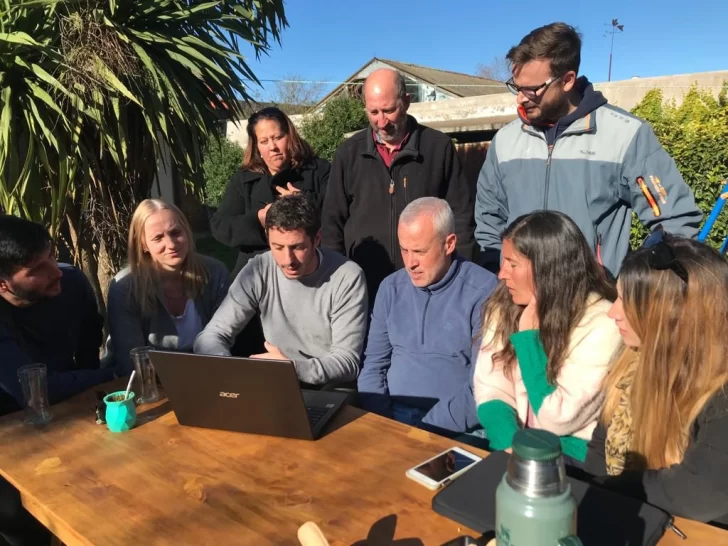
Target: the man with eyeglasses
pixel 573 152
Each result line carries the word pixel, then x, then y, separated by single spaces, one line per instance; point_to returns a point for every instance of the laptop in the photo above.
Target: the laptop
pixel 248 395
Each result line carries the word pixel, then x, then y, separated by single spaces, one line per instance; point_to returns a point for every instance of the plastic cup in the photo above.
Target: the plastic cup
pixel 145 383
pixel 34 382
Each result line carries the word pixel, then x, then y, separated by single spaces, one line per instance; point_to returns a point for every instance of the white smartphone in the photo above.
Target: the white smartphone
pixel 443 468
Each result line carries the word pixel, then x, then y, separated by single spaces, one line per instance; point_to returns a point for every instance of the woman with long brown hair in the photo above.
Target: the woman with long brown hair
pixel 663 433
pixel 277 162
pixel 547 340
pixel 168 292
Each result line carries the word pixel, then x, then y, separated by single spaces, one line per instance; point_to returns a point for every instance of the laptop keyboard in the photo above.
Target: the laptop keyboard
pixel 315 414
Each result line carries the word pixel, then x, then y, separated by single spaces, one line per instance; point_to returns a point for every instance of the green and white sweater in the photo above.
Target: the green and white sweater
pixel 570 408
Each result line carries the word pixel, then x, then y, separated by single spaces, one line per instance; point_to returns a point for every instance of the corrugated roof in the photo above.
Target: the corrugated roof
pixel 456 83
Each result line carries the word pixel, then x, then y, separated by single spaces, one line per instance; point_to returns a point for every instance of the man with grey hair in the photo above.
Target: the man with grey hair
pixel 422 344
pixel 381 169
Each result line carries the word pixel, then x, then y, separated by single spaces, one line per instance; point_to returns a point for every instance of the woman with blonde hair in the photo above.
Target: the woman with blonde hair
pixel 663 433
pixel 547 340
pixel 168 292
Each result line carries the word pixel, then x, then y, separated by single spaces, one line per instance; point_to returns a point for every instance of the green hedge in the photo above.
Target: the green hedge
pixel 325 131
pixel 220 161
pixel 695 134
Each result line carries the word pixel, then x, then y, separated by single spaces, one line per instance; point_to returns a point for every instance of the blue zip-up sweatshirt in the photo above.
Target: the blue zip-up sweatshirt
pixel 422 345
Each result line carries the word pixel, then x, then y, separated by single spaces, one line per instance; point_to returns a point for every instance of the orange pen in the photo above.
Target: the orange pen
pixel 648 195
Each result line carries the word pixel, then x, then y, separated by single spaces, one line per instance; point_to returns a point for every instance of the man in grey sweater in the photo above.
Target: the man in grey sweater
pixel 312 302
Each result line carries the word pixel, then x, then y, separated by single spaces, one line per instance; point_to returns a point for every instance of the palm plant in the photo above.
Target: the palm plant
pixel 94 94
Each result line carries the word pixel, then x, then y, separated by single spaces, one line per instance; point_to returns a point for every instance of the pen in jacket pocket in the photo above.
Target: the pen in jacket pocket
pixel 648 195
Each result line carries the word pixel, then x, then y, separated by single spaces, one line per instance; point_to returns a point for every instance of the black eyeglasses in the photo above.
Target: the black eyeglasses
pixel 662 256
pixel 530 92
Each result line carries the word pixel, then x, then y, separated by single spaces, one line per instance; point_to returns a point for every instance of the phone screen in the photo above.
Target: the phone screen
pixel 445 465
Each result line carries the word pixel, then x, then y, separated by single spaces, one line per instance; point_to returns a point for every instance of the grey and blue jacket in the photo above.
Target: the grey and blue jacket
pixel 598 164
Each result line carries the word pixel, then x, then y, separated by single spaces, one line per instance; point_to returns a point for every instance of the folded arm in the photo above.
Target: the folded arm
pixel 575 400
pixel 673 204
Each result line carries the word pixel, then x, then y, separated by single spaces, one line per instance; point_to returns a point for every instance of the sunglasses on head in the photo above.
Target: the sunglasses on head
pixel 269 112
pixel 662 255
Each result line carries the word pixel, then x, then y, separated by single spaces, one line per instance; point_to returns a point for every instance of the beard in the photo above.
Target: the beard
pixel 549 111
pixel 32 296
pixel 395 131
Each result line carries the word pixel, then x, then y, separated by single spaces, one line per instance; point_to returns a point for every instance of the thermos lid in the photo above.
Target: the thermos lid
pixel 533 444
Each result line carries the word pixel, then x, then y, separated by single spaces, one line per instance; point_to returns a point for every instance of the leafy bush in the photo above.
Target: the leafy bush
pixel 221 158
pixel 325 131
pixel 695 134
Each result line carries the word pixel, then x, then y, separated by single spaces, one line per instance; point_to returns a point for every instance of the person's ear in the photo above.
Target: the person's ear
pixel 406 100
pixel 317 239
pixel 569 80
pixel 451 242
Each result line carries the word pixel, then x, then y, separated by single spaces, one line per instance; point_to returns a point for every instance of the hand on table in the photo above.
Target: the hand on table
pixel 274 353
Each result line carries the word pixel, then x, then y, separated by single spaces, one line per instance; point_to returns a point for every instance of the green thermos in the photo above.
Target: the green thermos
pixel 533 503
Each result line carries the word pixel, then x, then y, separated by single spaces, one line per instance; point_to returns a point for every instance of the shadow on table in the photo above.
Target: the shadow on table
pixel 346 415
pixel 153 413
pixel 382 534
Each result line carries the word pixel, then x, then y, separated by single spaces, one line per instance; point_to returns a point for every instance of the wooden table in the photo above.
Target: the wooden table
pixel 162 483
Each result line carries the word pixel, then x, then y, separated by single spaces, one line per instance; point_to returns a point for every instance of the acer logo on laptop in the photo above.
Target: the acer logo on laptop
pixel 229 394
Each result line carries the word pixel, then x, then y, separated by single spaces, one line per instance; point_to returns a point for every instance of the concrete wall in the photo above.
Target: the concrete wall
pixel 491 111
pixel 628 93
pixel 236 131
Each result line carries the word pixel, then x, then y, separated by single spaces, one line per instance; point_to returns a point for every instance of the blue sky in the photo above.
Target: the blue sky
pixel 330 39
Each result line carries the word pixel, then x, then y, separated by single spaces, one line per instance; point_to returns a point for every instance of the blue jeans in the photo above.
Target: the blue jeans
pixel 412 416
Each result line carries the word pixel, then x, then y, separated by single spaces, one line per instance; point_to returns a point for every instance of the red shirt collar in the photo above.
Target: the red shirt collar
pixel 386 153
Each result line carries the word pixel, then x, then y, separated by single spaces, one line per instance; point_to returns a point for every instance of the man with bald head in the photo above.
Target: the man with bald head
pixel 422 341
pixel 379 170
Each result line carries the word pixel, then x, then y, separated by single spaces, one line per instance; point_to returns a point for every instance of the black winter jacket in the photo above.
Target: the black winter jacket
pixel 236 222
pixel 365 198
pixel 697 488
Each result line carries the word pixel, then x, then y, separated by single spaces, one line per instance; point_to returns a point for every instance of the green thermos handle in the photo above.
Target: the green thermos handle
pixel 571 540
